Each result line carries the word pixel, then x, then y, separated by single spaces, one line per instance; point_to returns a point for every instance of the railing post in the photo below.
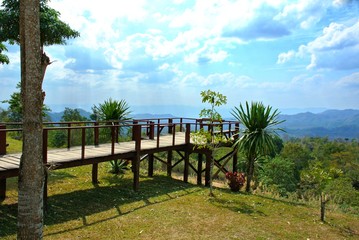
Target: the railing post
pixel 170 121
pixel 188 133
pixel 152 130
pixel 181 128
pixel 158 135
pixel 174 134
pixel 113 139
pixel 134 129
pixel 96 134
pixel 117 131
pixel 83 143
pixel 2 140
pixel 68 136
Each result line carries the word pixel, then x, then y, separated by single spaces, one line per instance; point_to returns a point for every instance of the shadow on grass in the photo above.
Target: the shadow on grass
pixel 58 175
pixel 236 205
pixel 81 204
pixel 287 202
pixel 246 206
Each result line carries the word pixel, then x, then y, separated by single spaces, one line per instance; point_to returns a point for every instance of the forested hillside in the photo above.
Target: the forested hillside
pixel 331 123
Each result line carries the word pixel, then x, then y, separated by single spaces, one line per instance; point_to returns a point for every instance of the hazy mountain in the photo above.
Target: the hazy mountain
pixel 56 116
pixel 330 123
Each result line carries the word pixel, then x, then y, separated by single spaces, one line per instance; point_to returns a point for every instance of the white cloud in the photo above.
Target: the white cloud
pixel 336 48
pixel 285 57
pixel 303 13
pixel 351 81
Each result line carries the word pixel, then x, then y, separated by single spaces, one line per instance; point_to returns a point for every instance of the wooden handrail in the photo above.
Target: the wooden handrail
pixel 153 129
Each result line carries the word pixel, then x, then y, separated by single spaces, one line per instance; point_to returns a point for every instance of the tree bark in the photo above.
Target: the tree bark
pixel 250 172
pixel 323 202
pixel 31 172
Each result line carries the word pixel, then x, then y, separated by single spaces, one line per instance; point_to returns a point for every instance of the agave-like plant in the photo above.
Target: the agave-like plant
pixel 257 138
pixel 112 110
pixel 116 111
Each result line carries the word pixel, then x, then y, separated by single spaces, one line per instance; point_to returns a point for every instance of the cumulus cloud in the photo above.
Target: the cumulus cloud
pixel 285 57
pixel 336 48
pixel 351 81
pixel 304 13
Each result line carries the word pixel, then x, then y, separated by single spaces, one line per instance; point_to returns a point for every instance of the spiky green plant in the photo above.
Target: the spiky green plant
pixel 257 139
pixel 116 111
pixel 112 110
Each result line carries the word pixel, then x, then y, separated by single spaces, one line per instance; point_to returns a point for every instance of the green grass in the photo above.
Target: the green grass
pixel 165 208
pixel 15 146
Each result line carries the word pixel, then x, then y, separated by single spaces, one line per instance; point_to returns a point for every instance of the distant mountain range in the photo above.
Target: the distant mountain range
pixel 330 123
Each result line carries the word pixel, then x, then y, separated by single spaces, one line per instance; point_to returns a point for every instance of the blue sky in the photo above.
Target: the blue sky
pixel 159 54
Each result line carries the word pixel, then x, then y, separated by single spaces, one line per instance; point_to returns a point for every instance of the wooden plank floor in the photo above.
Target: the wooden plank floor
pixel 11 162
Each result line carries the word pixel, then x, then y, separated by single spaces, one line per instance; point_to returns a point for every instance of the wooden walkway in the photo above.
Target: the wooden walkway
pixel 64 158
pixel 148 138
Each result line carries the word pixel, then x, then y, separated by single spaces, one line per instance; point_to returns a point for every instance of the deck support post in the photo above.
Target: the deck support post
pixel 150 164
pixel 2 189
pixel 208 169
pixel 186 166
pixel 136 160
pixel 199 168
pixel 95 173
pixel 169 163
pixel 2 141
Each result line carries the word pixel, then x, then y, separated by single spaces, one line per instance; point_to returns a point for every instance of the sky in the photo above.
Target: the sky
pixel 159 55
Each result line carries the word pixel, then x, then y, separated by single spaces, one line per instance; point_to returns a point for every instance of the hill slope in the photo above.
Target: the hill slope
pixel 330 123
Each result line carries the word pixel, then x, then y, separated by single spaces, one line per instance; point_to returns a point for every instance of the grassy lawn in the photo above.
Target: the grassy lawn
pixel 166 208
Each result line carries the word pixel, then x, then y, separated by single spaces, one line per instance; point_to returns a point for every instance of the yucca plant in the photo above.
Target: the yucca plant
pixel 114 111
pixel 257 139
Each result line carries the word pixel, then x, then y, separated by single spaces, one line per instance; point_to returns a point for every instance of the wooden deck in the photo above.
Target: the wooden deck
pixel 148 138
pixel 63 158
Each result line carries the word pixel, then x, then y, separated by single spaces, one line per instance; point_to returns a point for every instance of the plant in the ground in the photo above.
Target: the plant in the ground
pixel 119 166
pixel 114 111
pixel 258 137
pixel 235 180
pixel 317 177
pixel 209 139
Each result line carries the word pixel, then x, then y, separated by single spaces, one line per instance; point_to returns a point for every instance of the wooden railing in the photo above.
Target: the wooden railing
pixel 141 128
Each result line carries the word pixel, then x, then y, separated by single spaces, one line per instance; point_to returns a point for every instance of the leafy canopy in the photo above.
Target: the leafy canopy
pixel 15 110
pixel 53 30
pixel 3 57
pixel 215 99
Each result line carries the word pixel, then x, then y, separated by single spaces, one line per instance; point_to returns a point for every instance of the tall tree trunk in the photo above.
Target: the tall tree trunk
pixel 250 172
pixel 323 202
pixel 31 173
